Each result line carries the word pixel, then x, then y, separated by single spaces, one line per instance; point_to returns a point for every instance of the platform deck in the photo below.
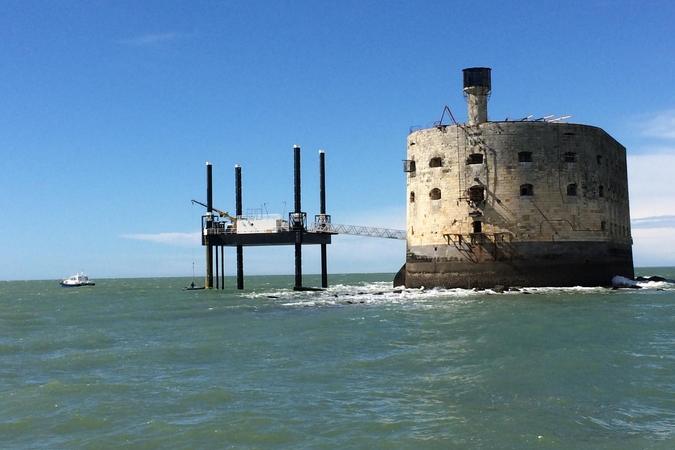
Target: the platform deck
pixel 260 239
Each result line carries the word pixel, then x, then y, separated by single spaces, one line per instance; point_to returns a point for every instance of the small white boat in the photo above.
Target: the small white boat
pixel 79 279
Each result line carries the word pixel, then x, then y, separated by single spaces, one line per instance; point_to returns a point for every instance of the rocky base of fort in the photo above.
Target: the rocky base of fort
pixel 528 264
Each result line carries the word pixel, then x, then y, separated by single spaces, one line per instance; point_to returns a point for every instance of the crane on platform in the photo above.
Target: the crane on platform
pixel 221 213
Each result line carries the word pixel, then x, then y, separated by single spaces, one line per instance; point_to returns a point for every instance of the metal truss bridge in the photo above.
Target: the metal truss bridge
pixel 356 230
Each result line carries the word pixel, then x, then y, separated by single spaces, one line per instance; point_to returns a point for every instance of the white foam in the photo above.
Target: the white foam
pixel 656 285
pixel 381 292
pixel 566 290
pixel 369 294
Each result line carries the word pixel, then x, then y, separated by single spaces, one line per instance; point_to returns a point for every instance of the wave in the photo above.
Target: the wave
pixel 368 293
pixel 659 285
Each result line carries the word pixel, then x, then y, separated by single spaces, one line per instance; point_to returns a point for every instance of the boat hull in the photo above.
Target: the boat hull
pixel 77 285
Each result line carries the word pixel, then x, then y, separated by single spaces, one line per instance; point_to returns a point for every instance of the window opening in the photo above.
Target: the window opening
pixel 524 156
pixel 572 189
pixel 570 157
pixel 476 194
pixel 601 191
pixel 599 159
pixel 435 194
pixel 526 190
pixel 475 158
pixel 603 225
pixel 477 226
pixel 409 165
pixel 436 162
pixel 412 197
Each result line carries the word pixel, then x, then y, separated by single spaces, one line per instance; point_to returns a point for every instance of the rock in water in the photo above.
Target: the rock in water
pixel 622 282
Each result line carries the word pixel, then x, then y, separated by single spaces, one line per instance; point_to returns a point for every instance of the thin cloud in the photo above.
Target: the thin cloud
pixel 169 238
pixel 654 222
pixel 150 39
pixel 655 150
pixel 660 125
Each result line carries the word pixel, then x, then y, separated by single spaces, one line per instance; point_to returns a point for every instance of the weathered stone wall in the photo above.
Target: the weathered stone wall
pixel 468 181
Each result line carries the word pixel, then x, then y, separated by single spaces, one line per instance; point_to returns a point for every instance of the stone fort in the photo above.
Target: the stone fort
pixel 515 203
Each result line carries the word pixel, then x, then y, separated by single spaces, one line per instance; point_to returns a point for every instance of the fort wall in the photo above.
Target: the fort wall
pixel 516 203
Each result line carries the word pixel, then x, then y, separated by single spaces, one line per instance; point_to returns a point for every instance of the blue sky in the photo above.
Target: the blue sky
pixel 108 111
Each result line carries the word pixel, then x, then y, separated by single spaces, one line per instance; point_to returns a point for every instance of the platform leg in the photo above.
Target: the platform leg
pixel 240 267
pixel 324 267
pixel 217 269
pixel 298 265
pixel 208 282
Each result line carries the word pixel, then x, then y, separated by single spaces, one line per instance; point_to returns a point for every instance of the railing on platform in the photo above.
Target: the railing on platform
pixel 322 224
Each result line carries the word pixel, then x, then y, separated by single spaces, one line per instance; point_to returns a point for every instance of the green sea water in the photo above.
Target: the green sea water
pixel 140 363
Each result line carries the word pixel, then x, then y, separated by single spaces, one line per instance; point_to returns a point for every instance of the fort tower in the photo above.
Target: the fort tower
pixel 516 203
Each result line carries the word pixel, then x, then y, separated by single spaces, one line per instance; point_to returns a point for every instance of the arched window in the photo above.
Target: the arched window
pixel 412 197
pixel 436 162
pixel 601 191
pixel 526 190
pixel 570 157
pixel 524 156
pixel 476 194
pixel 435 194
pixel 572 189
pixel 475 158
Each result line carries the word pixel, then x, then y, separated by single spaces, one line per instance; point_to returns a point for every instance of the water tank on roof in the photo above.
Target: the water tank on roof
pixel 477 77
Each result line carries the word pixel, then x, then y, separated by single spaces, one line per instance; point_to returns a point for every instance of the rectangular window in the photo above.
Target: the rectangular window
pixel 476 194
pixel 524 156
pixel 526 190
pixel 436 162
pixel 478 226
pixel 475 158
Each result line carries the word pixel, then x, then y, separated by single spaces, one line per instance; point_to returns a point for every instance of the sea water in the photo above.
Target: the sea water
pixel 141 363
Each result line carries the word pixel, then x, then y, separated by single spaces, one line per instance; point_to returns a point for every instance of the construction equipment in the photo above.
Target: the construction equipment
pixel 221 213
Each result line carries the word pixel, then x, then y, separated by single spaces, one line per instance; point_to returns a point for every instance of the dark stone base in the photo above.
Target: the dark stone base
pixel 528 264
pixel 399 278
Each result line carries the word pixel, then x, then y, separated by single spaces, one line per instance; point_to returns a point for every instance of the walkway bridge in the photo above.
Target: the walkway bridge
pixel 356 230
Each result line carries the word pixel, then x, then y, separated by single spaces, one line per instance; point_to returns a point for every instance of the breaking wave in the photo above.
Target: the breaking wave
pixel 373 293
